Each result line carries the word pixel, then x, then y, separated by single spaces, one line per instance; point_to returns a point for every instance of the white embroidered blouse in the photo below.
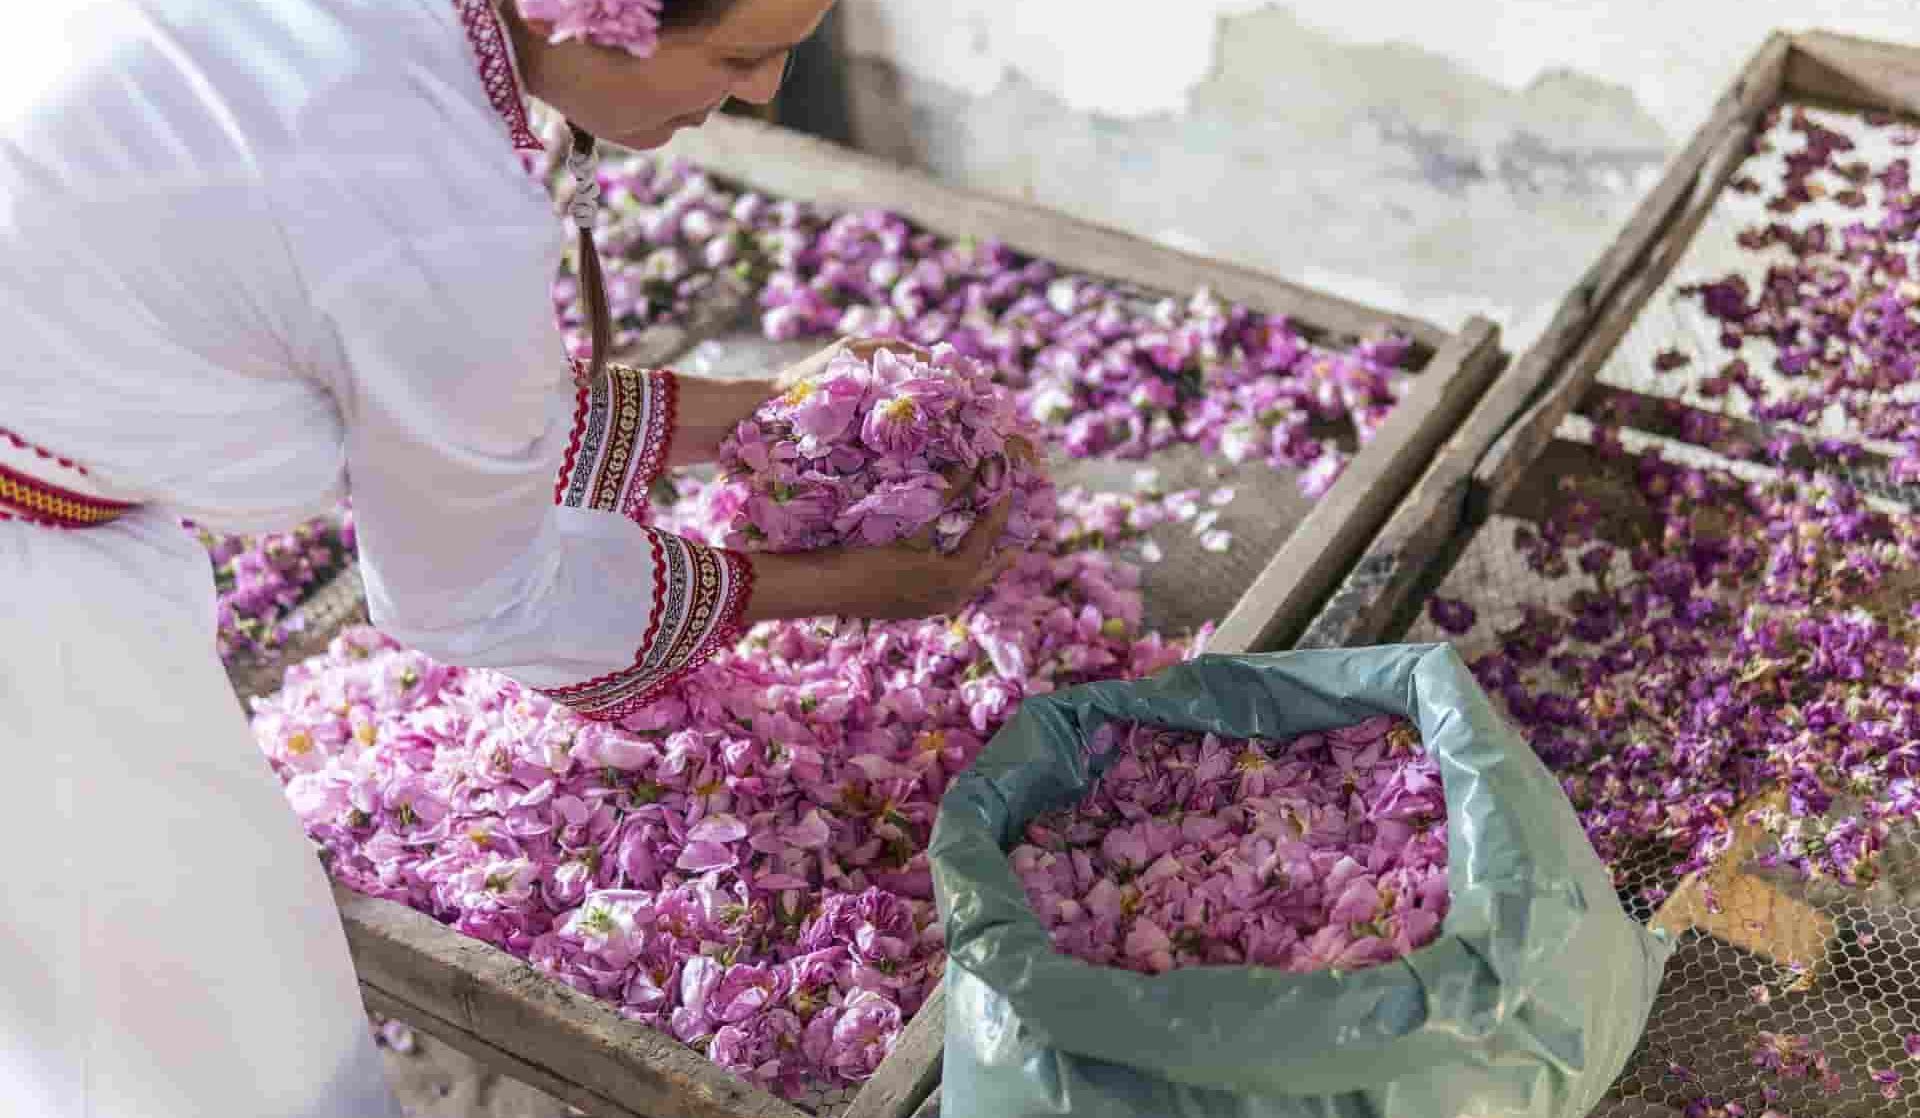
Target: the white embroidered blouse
pixel 260 253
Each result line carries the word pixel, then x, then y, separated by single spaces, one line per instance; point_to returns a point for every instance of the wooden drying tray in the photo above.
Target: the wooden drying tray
pixel 1511 453
pixel 500 1010
pixel 1500 447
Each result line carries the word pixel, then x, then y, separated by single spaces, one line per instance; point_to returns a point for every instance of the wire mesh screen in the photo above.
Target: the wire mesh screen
pixel 1784 994
pixel 827 1100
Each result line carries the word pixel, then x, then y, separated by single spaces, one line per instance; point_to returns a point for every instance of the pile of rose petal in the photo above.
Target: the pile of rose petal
pixel 742 865
pixel 261 580
pixel 868 452
pixel 1761 636
pixel 1831 313
pixel 1755 635
pixel 1110 372
pixel 1327 851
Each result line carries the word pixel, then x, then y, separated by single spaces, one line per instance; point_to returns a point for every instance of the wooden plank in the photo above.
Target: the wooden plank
pixel 1862 73
pixel 1871 472
pixel 1310 564
pixel 1370 601
pixel 533 1076
pixel 783 162
pixel 1686 191
pixel 723 306
pixel 1749 912
pixel 912 1070
pixel 494 1002
pixel 1513 453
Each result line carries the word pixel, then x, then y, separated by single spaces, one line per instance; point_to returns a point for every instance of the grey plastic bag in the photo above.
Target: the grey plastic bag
pixel 1528 1004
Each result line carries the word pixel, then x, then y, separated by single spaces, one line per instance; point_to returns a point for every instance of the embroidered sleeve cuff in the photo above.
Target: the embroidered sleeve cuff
pixel 699 596
pixel 622 431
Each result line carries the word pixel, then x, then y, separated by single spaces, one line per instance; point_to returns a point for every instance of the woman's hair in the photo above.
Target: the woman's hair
pixel 691 13
pixel 673 14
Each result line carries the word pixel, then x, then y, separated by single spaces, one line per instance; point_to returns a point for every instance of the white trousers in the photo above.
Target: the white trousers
pixel 168 944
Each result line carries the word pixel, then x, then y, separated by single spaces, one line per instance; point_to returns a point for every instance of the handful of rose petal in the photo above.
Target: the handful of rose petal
pixel 1328 851
pixel 870 452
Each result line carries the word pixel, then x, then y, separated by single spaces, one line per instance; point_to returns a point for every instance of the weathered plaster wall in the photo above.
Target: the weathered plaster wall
pixel 1437 158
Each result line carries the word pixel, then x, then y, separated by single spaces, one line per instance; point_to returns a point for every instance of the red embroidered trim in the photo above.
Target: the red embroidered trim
pixel 36 500
pixel 622 433
pixel 692 621
pixel 656 442
pixel 494 61
pixel 659 590
pixel 582 397
pixel 43 452
pixel 741 568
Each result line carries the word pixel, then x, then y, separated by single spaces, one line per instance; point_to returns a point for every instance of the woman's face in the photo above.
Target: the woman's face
pixel 641 102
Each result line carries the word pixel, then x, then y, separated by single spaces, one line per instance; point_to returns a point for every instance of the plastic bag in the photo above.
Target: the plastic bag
pixel 1529 1003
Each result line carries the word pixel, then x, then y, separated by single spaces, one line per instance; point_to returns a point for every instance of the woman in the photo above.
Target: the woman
pixel 259 253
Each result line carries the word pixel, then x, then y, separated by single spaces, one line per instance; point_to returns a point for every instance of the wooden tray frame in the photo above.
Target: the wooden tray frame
pixel 504 1013
pixel 1508 457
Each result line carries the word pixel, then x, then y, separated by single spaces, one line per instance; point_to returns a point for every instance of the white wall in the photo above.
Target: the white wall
pixel 1441 157
pixel 1131 57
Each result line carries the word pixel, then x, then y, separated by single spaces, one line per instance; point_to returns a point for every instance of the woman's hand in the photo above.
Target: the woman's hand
pixel 707 410
pixel 906 581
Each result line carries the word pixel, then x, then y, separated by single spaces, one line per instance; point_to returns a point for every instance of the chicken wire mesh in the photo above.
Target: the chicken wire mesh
pixel 1784 995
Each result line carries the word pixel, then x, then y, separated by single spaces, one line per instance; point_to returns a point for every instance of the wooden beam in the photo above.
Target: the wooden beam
pixel 1397 566
pixel 455 1037
pixel 1871 472
pixel 1310 564
pixel 783 162
pixel 721 307
pixel 490 1004
pixel 1861 73
pixel 1657 231
pixel 911 1072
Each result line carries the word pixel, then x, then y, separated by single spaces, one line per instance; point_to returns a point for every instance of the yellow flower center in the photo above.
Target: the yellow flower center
pixel 932 741
pixel 364 733
pixel 300 744
pixel 799 394
pixel 900 409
